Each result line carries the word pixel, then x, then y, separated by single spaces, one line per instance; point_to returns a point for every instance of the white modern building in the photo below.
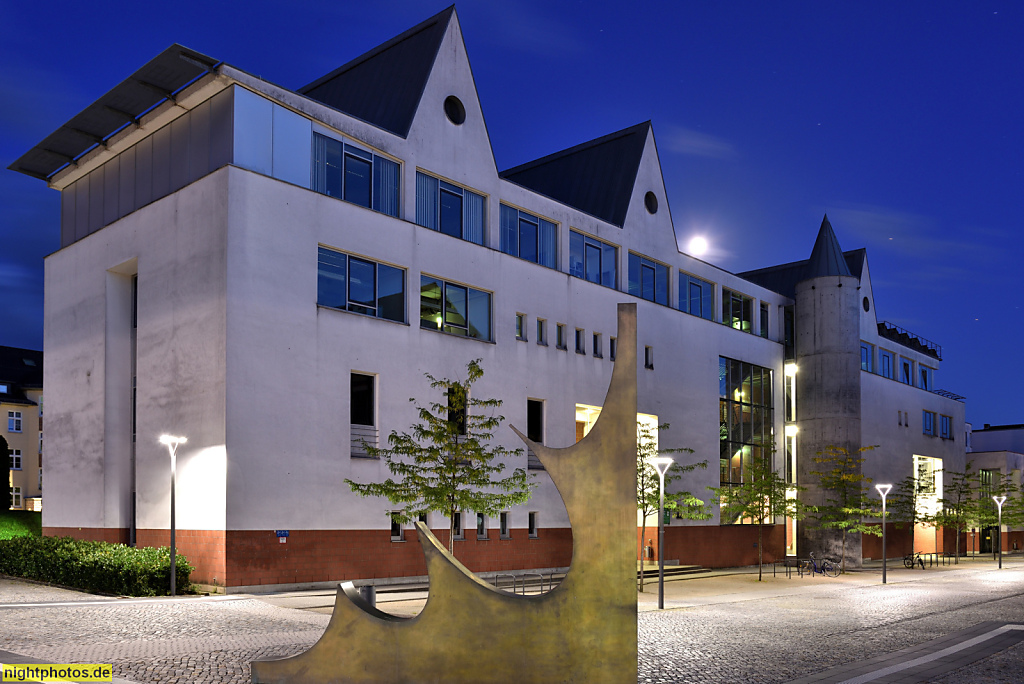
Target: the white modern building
pixel 270 272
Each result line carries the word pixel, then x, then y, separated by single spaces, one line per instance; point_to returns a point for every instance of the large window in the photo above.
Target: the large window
pixel 746 419
pixel 648 279
pixel 529 237
pixel 593 260
pixel 355 175
pixel 15 458
pixel 925 375
pixel 763 330
pixel 737 311
pixel 867 353
pixel 906 371
pixel 928 423
pixel 359 285
pixel 696 296
pixel 946 427
pixel 454 309
pixel 450 209
pixel 885 364
pixel 14 421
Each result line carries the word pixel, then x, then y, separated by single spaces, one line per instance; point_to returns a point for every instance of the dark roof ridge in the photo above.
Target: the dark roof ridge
pixel 609 137
pixel 827 256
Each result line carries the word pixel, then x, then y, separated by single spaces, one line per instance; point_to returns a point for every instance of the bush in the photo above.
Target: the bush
pixel 94 566
pixel 20 523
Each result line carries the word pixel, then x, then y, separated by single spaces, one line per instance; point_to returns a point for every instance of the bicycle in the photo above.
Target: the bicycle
pixel 827 567
pixel 912 559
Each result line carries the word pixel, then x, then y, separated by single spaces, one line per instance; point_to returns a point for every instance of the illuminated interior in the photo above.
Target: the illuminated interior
pixel 928 482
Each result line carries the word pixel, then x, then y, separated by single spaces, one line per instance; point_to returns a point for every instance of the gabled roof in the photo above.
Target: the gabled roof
pixel 383 86
pixel 20 369
pixel 596 177
pixel 826 257
pixel 783 278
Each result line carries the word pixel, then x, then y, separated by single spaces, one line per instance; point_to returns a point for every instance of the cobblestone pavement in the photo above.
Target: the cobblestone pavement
pixel 720 629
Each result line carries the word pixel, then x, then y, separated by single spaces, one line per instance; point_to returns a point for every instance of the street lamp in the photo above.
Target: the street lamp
pixel 883 491
pixel 999 502
pixel 661 464
pixel 172 448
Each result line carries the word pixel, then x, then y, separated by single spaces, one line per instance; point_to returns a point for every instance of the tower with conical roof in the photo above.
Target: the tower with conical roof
pixel 828 380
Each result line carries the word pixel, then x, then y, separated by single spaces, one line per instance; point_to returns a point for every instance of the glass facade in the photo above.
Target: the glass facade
pixel 746 417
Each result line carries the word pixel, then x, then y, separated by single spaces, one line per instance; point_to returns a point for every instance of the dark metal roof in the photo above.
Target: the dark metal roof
pixel 384 86
pixel 596 177
pixel 783 278
pixel 162 78
pixel 826 257
pixel 20 369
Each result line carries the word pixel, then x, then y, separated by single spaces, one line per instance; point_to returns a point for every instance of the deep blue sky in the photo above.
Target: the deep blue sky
pixel 903 121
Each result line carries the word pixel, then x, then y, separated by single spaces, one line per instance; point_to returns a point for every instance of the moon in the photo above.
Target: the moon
pixel 698 246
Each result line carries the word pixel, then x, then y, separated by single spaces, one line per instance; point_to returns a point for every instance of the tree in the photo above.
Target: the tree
pixel 994 483
pixel 4 455
pixel 447 463
pixel 846 493
pixel 905 502
pixel 760 498
pixel 959 505
pixel 648 485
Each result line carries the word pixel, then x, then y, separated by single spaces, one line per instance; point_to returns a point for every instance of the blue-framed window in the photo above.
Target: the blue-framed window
pixel 529 237
pixel 928 423
pixel 351 283
pixel 648 279
pixel 355 175
pixel 450 209
pixel 593 260
pixel 737 311
pixel 455 309
pixel 696 296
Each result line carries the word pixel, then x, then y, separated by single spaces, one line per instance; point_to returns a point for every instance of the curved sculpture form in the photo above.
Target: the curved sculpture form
pixel 585 630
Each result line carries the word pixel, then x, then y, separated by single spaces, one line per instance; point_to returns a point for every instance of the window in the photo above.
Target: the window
pixel 450 209
pixel 355 175
pixel 696 296
pixel 457 526
pixel 928 423
pixel 534 431
pixel 611 348
pixel 648 279
pixel 481 526
pixel 454 309
pixel 15 497
pixel 764 320
pixel 4 388
pixel 581 345
pixel 885 364
pixel 15 458
pixel 560 336
pixel 521 327
pixel 925 473
pixel 424 518
pixel 532 525
pixel 593 260
pixel 396 528
pixel 789 389
pixel 867 352
pixel 746 418
pixel 790 456
pixel 359 285
pixel 946 427
pixel 598 346
pixel 529 237
pixel 362 413
pixel 14 421
pixel 649 358
pixel 789 332
pixel 906 371
pixel 503 528
pixel 542 332
pixel 925 377
pixel 457 401
pixel 737 311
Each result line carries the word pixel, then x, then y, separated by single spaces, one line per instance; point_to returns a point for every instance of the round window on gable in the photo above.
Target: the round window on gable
pixel 867 305
pixel 651 202
pixel 454 110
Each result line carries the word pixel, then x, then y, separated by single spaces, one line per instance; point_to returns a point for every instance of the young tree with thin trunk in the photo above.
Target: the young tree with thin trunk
pixel 448 463
pixel 959 503
pixel 684 504
pixel 846 488
pixel 904 505
pixel 760 499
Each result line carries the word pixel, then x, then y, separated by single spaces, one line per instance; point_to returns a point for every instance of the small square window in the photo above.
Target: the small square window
pixel 532 525
pixel 396 528
pixel 581 346
pixel 598 346
pixel 649 358
pixel 481 526
pixel 542 332
pixel 503 530
pixel 560 341
pixel 611 348
pixel 521 327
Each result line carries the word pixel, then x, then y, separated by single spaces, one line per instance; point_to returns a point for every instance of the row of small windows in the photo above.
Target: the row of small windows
pixel 895 367
pixel 580 339
pixel 504 528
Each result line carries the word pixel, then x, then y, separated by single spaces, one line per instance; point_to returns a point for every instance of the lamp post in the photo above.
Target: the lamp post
pixel 661 464
pixel 883 490
pixel 999 502
pixel 172 448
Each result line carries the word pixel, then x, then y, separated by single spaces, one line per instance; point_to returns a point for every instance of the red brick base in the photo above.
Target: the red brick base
pixel 725 546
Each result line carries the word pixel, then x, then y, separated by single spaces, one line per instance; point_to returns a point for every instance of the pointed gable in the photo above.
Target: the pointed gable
pixel 826 257
pixel 384 86
pixel 596 177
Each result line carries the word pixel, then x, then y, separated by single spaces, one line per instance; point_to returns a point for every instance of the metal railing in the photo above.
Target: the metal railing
pixel 520 580
pixel 893 332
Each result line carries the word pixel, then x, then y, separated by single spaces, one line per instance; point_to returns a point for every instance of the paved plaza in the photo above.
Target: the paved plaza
pixel 944 624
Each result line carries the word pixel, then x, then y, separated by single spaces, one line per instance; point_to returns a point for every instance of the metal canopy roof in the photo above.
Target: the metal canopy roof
pixel 162 78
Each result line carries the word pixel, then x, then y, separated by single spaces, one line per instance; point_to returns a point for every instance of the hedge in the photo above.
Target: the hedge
pixel 94 566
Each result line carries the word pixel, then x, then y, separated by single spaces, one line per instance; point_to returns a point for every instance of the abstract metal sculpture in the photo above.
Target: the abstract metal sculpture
pixel 584 630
